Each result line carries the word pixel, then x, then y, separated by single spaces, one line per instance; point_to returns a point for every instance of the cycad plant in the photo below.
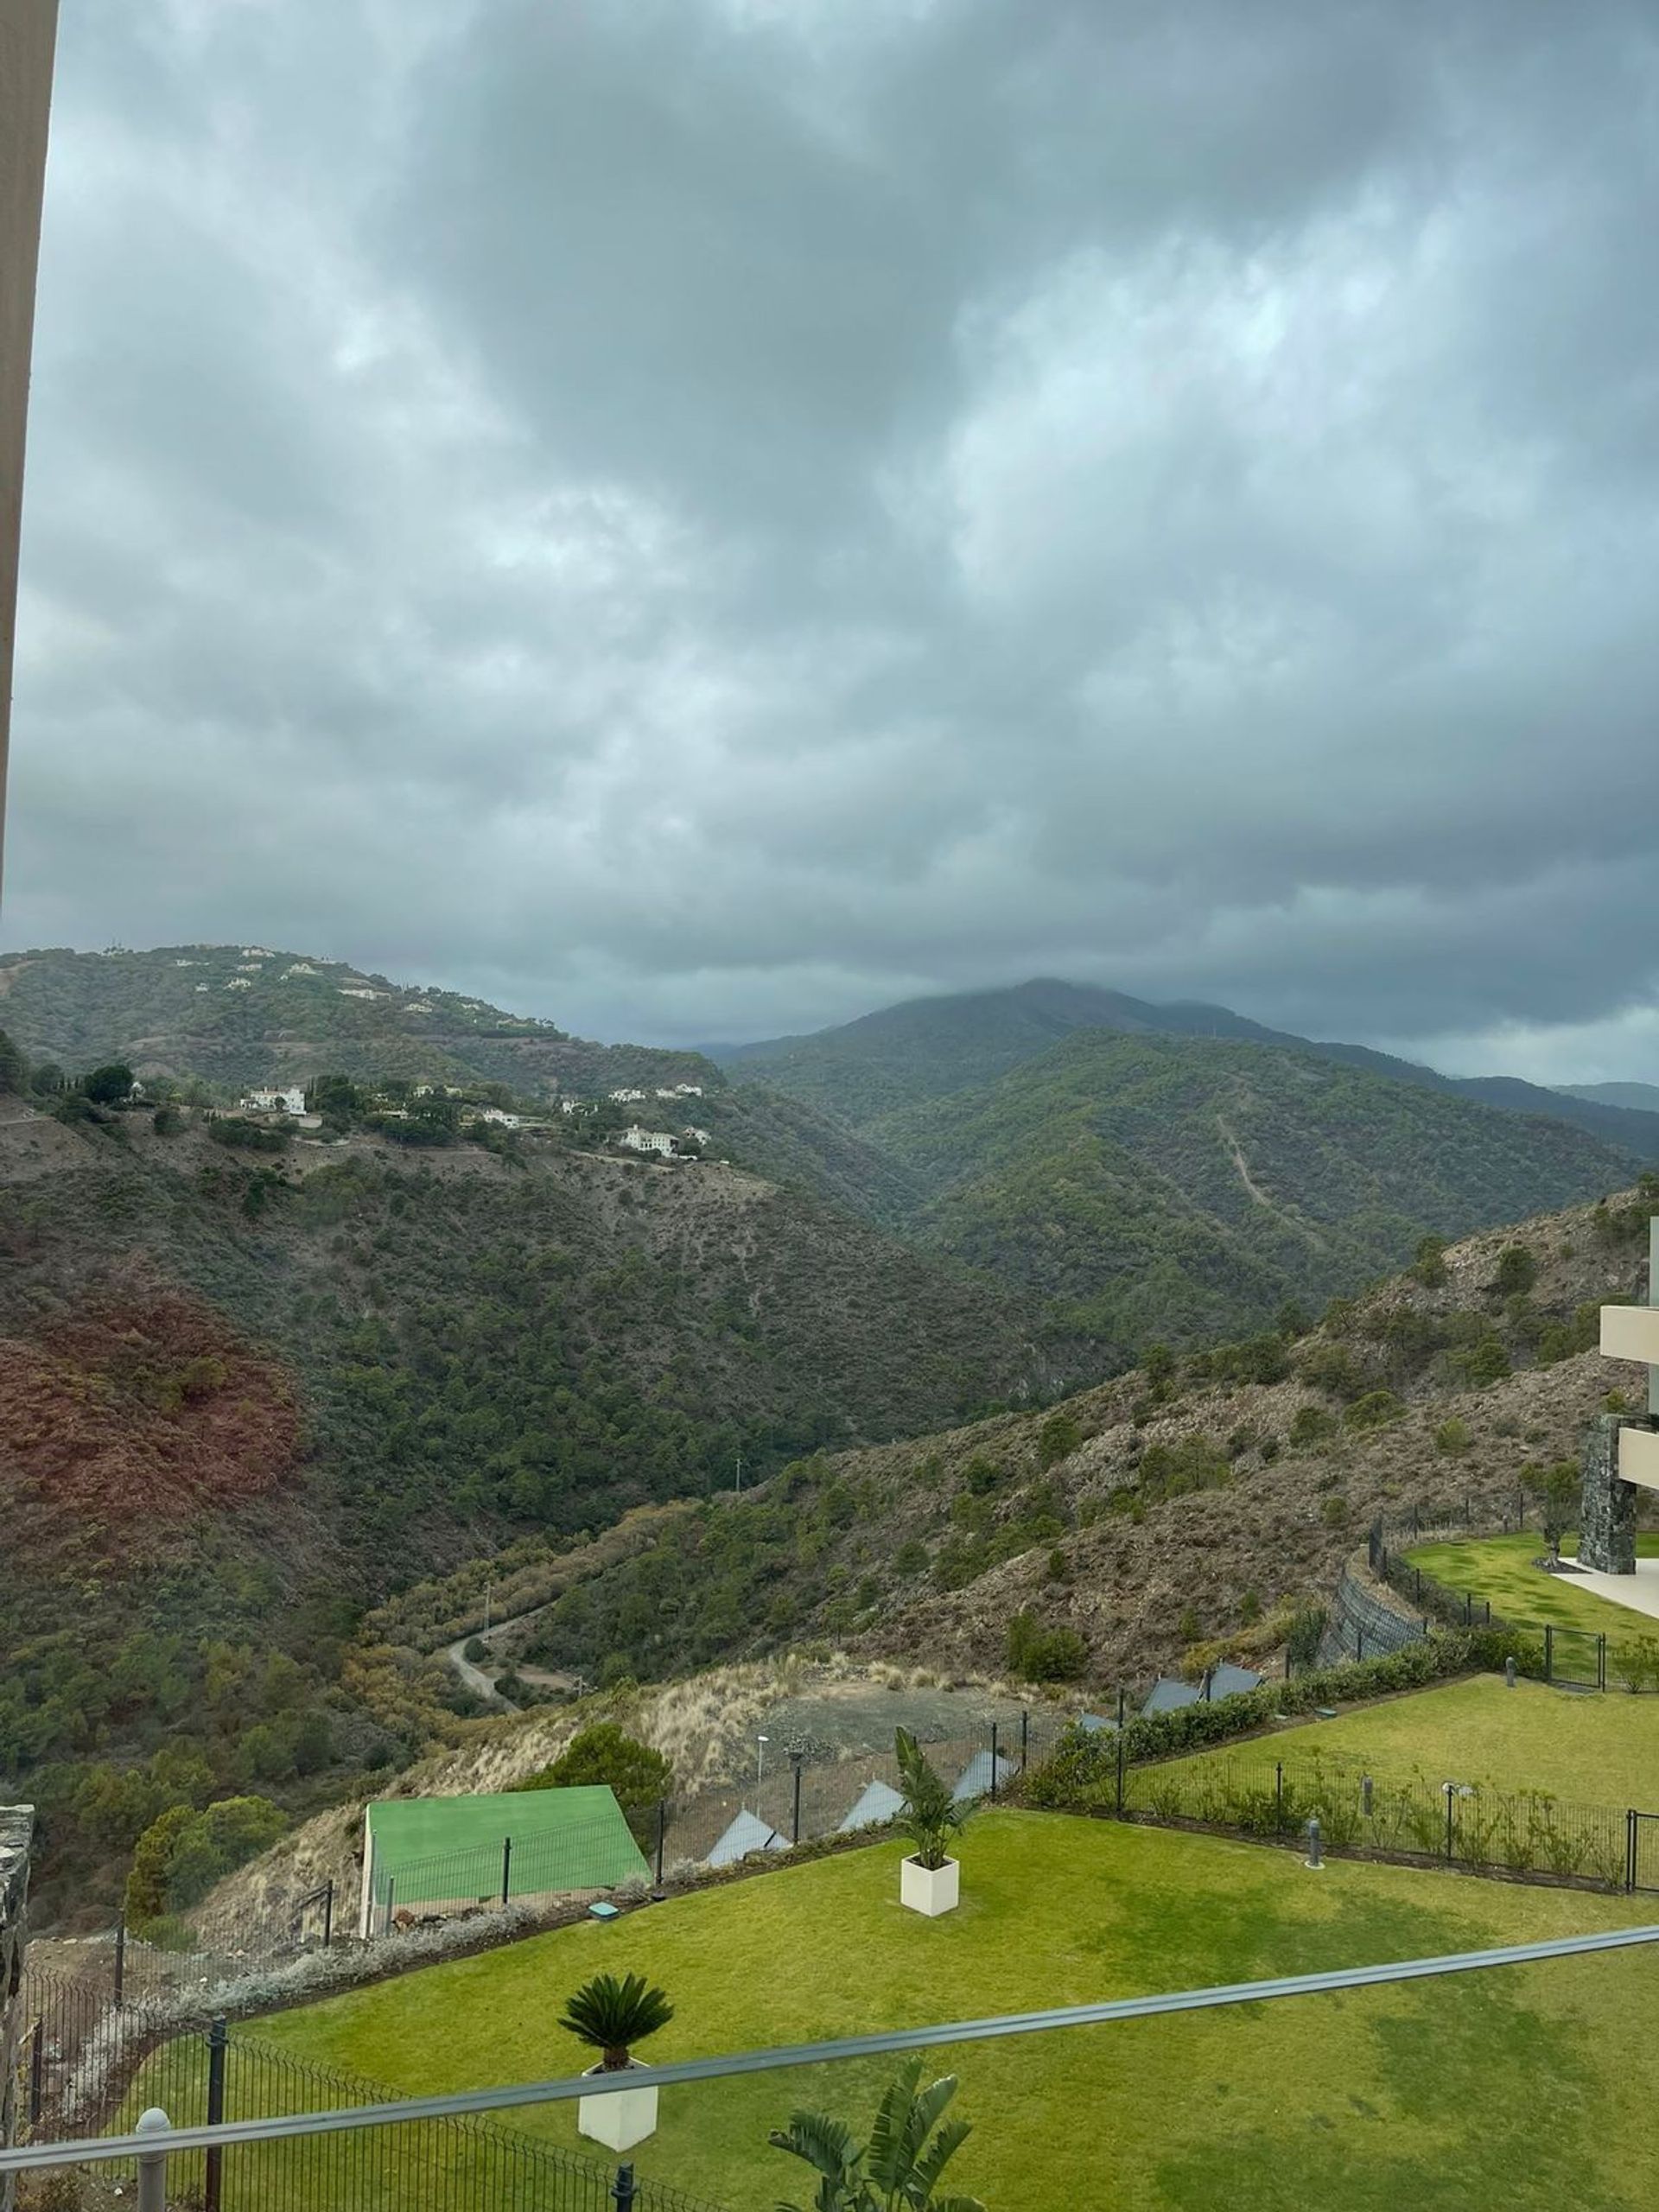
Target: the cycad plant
pixel 930 1816
pixel 898 2167
pixel 610 2016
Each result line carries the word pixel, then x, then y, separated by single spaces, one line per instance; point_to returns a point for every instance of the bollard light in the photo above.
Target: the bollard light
pixel 1313 1859
pixel 1508 1672
pixel 152 2164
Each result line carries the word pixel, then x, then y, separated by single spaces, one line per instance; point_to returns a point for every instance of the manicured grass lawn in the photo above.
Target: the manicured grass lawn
pixel 1500 1568
pixel 1593 1750
pixel 1529 2088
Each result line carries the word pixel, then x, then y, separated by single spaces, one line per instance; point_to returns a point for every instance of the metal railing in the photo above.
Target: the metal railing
pixel 211 2076
pixel 156 2148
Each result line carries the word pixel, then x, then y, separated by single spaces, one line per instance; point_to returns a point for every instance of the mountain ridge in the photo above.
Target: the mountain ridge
pixel 931 1046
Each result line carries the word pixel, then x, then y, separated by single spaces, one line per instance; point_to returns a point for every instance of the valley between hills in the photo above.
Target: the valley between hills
pixel 1122 1343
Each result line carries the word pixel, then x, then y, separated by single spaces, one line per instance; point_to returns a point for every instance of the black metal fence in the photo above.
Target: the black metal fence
pixel 1417 1816
pixel 1580 1658
pixel 86 2071
pixel 793 1798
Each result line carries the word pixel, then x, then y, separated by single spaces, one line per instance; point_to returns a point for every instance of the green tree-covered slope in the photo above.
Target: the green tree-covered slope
pixel 931 1048
pixel 245 1396
pixel 1181 1188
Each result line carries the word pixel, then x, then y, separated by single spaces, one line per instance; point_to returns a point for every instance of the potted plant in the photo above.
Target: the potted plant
pixel 610 2016
pixel 930 1879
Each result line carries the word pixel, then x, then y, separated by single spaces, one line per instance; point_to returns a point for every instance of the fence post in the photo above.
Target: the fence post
pixel 1359 1643
pixel 623 2192
pixel 329 1912
pixel 391 1887
pixel 1278 1797
pixel 1601 1659
pixel 37 2072
pixel 797 1760
pixel 662 1836
pixel 1630 1850
pixel 993 1762
pixel 152 2164
pixel 1468 1609
pixel 218 2039
pixel 1025 1736
pixel 507 1868
pixel 1417 1595
pixel 1119 1759
pixel 1549 1652
pixel 1450 1789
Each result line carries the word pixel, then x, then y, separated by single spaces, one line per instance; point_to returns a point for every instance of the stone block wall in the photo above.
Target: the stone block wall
pixel 1606 1505
pixel 16 1828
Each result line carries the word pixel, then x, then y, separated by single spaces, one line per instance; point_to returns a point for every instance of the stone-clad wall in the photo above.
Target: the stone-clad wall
pixel 16 1827
pixel 1606 1504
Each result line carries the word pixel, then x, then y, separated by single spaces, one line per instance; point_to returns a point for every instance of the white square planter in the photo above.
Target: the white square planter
pixel 929 1890
pixel 620 2121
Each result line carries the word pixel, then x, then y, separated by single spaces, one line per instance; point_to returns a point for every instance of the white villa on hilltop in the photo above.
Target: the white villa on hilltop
pixel 291 1101
pixel 638 1140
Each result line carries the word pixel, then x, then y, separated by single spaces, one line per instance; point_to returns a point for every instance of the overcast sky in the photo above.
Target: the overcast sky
pixel 694 518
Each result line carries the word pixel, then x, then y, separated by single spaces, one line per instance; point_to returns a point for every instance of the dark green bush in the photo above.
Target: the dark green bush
pixel 1082 1773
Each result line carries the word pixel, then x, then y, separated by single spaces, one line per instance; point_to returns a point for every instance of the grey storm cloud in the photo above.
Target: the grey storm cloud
pixel 702 516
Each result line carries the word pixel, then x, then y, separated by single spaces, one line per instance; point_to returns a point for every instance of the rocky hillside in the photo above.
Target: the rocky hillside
pixel 229 1017
pixel 1174 1510
pixel 244 1395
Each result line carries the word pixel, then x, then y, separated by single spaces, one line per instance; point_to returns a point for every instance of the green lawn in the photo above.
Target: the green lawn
pixel 1525 2088
pixel 1500 1568
pixel 1593 1749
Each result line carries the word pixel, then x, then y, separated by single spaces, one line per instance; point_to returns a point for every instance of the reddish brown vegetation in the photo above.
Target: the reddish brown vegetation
pixel 148 1405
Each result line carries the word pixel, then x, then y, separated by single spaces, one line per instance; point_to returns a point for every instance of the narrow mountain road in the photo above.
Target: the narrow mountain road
pixel 480 1679
pixel 474 1676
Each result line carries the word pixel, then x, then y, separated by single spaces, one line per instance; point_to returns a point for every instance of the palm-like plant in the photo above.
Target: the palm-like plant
pixel 610 2016
pixel 897 2169
pixel 930 1816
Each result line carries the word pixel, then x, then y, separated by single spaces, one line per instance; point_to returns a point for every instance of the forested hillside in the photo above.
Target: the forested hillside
pixel 1184 1189
pixel 245 1395
pixel 924 1049
pixel 1176 1513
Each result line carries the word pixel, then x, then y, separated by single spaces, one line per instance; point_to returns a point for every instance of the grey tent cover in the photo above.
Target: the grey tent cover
pixel 747 1832
pixel 977 1775
pixel 880 1803
pixel 1167 1695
